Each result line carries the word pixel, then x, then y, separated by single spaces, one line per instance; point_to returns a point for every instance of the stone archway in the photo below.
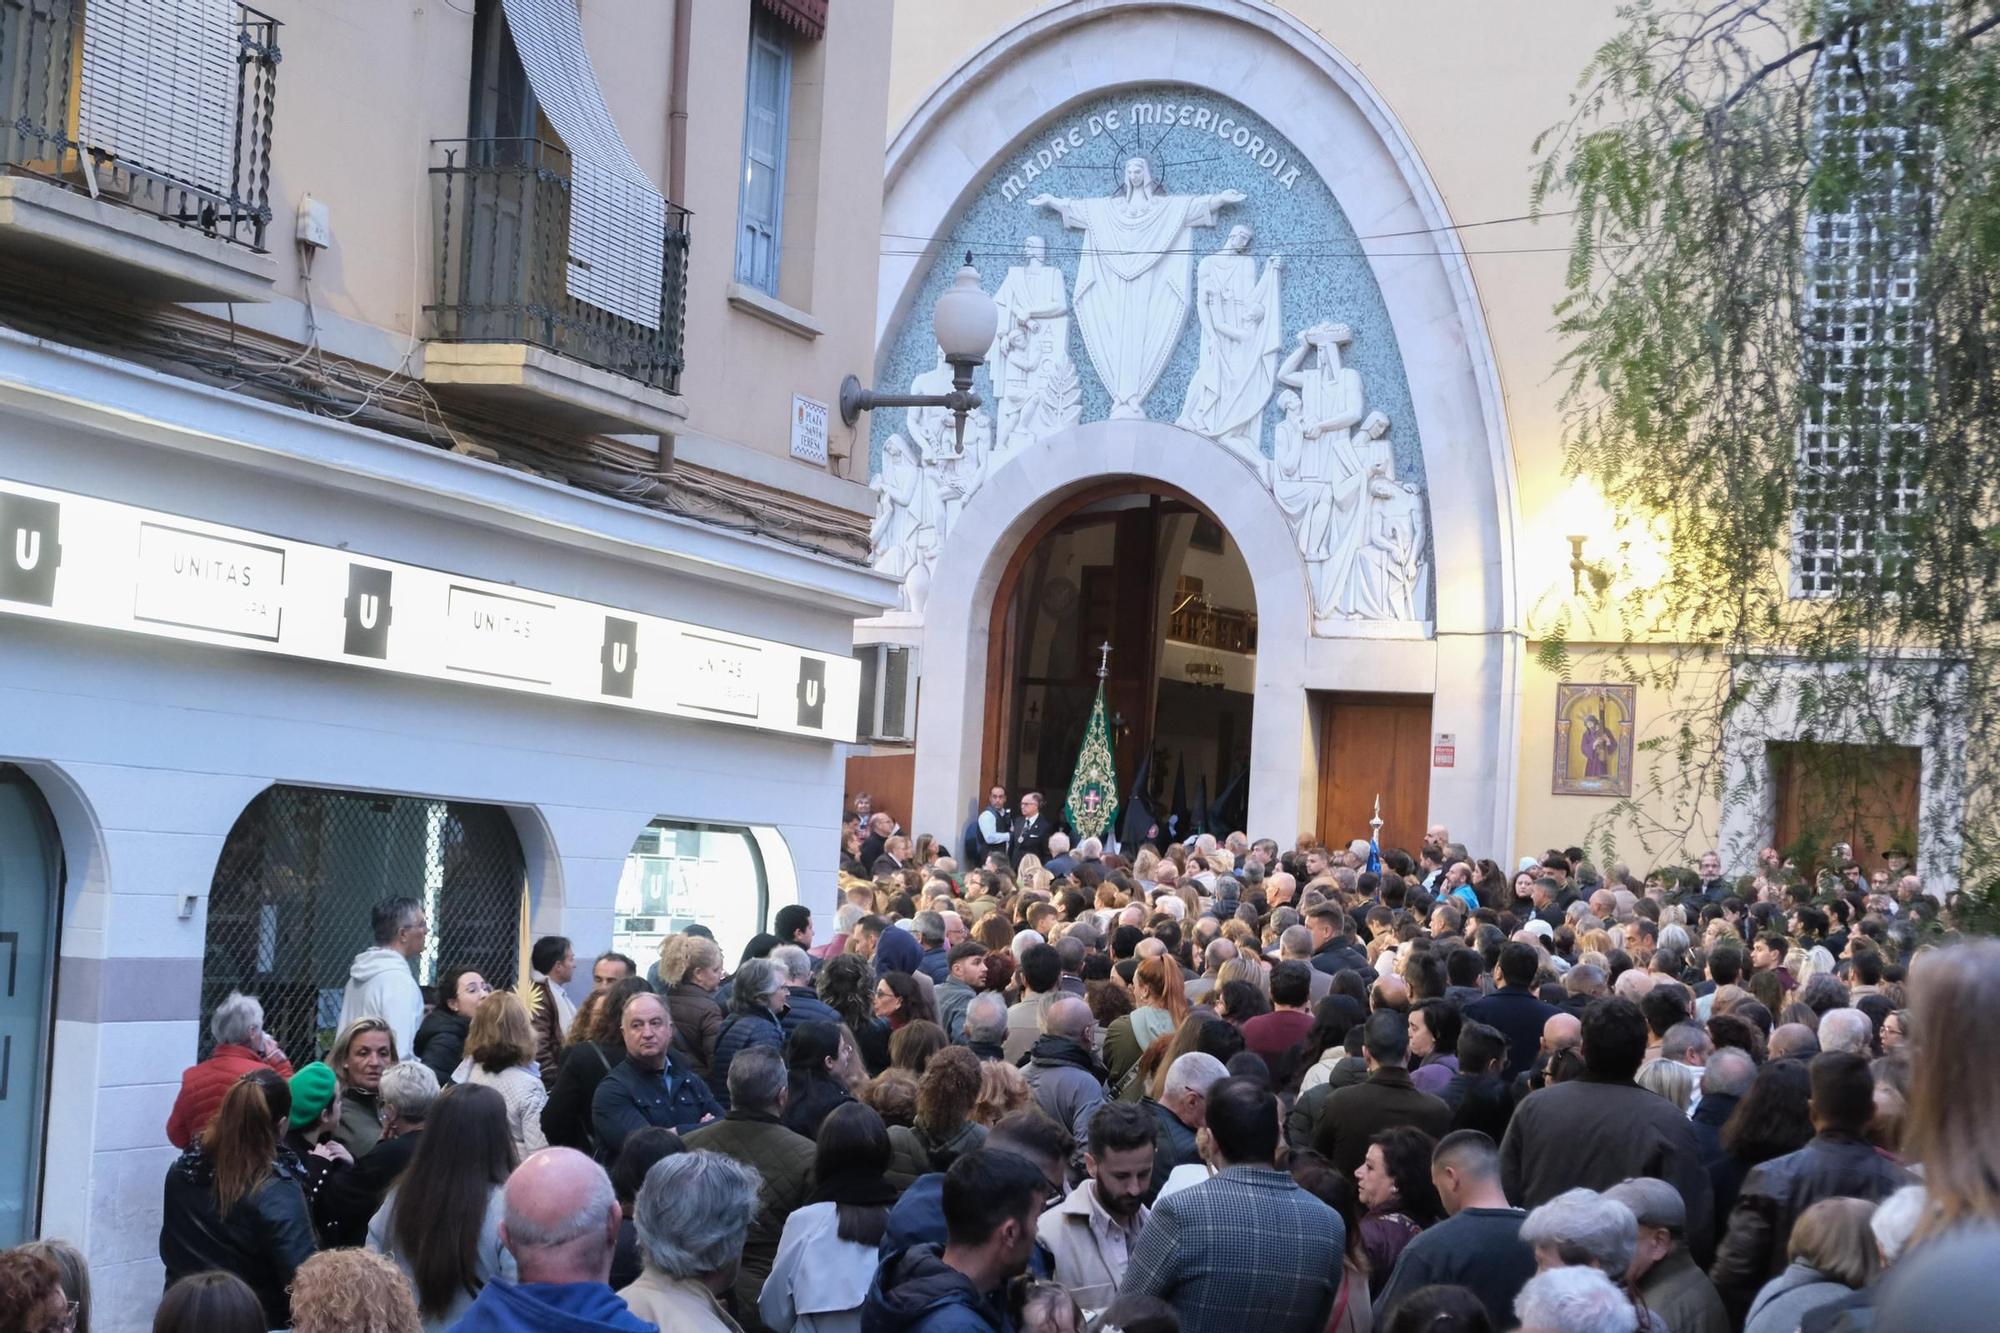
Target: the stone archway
pixel 1471 653
pixel 1006 509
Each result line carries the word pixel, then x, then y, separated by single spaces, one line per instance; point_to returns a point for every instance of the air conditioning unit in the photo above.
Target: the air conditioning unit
pixel 888 692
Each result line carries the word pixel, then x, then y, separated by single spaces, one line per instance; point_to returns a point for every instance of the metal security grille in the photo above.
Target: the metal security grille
pixel 1864 324
pixel 289 907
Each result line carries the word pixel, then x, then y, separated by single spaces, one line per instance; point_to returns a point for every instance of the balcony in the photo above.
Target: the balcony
pixel 137 144
pixel 510 331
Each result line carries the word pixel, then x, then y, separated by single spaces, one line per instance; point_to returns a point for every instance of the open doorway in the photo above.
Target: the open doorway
pixel 1151 573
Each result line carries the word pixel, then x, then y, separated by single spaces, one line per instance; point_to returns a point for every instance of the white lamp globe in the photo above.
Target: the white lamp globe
pixel 965 319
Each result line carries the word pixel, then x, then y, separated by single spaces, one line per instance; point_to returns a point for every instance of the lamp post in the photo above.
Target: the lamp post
pixel 964 320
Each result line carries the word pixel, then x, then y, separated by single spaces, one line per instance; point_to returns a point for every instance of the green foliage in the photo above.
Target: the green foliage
pixel 1700 156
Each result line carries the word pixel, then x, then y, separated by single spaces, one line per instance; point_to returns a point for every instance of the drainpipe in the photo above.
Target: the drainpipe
pixel 677 139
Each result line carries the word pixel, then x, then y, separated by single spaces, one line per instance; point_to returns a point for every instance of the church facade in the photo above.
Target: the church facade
pixel 1197 220
pixel 1273 412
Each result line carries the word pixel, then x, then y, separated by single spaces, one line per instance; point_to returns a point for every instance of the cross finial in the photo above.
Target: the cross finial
pixel 1104 662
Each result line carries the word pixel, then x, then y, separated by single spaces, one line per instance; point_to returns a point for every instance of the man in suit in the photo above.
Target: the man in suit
pixel 1032 831
pixel 1246 1248
pixel 881 828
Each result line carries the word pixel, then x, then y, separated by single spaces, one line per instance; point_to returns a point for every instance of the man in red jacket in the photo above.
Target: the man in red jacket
pixel 240 1048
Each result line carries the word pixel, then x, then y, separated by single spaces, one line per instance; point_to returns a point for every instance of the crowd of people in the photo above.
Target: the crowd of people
pixel 1217 1086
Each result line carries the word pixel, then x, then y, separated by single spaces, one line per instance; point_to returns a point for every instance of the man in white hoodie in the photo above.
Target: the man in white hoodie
pixel 380 983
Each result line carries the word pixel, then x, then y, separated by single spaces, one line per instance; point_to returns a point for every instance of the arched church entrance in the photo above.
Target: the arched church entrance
pixel 1144 569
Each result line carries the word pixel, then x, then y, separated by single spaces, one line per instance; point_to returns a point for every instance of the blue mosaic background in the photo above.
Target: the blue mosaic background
pixel 1325 275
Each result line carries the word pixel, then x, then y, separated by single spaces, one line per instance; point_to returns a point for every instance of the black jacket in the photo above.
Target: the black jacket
pixel 566 1114
pixel 1593 1133
pixel 1777 1191
pixel 349 1198
pixel 1030 835
pixel 1519 1014
pixel 1339 955
pixel 813 1098
pixel 440 1041
pixel 263 1240
pixel 1173 1145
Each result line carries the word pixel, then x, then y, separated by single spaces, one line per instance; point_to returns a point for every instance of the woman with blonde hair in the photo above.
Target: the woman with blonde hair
pixel 1832 1252
pixel 501 1047
pixel 1248 969
pixel 690 974
pixel 1159 995
pixel 1003 1090
pixel 1030 866
pixel 1144 864
pixel 361 1055
pixel 352 1291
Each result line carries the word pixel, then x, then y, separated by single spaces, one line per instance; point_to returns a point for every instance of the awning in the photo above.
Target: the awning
pixel 806 17
pixel 618 220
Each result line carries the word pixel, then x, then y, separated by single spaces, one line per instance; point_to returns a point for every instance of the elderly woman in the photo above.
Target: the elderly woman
pixel 690 974
pixel 240 1048
pixel 1832 1252
pixel 694 1211
pixel 757 997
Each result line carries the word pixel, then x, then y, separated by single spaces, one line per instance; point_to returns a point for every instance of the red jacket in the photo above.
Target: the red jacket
pixel 203 1087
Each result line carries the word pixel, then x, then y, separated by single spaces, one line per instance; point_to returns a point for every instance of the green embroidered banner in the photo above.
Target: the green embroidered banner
pixel 1092 807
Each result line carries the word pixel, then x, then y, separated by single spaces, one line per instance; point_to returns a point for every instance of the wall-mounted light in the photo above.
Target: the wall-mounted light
pixel 965 321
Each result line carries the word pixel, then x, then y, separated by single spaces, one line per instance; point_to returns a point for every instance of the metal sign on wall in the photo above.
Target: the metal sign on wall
pixel 84 561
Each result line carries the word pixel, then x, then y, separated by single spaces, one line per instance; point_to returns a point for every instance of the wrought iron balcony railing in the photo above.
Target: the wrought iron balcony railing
pixel 503 211
pixel 162 111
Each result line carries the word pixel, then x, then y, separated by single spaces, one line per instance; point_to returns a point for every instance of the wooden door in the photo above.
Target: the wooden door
pixel 1862 795
pixel 1375 744
pixel 890 779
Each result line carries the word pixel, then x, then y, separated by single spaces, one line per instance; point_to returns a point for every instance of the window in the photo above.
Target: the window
pixel 766 125
pixel 681 875
pixel 1864 330
pixel 299 874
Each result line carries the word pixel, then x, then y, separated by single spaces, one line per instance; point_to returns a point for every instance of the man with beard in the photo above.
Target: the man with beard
pixel 1091 1233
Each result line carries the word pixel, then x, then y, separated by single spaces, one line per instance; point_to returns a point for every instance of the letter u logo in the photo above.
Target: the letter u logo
pixel 368 610
pixel 812 694
pixel 27 548
pixel 621 657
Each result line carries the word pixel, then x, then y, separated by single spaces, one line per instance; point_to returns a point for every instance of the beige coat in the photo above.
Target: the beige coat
pixel 683 1305
pixel 1076 1232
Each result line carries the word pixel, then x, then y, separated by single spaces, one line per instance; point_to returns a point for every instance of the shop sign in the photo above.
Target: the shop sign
pixel 84 561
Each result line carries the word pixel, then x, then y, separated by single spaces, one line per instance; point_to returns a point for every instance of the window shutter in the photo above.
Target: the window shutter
pixel 760 211
pixel 618 220
pixel 159 86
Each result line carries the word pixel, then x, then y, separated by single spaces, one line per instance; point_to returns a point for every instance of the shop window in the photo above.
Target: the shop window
pixel 681 875
pixel 31 877
pixel 289 907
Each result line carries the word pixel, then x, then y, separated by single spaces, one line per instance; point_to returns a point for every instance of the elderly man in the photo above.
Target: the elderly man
pixel 692 1215
pixel 802 1002
pixel 1662 1270
pixel 753 1132
pixel 1574 1300
pixel 653 1086
pixel 1066 1078
pixel 930 934
pixel 1296 944
pixel 1217 952
pixel 1793 1041
pixel 561 1226
pixel 1846 1030
pixel 1582 1228
pixel 1090 1234
pixel 986 1026
pixel 1180 1113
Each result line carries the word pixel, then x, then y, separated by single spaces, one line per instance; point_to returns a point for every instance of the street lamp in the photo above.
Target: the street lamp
pixel 964 320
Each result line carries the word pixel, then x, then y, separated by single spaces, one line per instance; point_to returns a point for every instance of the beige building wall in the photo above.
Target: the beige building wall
pixel 365 89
